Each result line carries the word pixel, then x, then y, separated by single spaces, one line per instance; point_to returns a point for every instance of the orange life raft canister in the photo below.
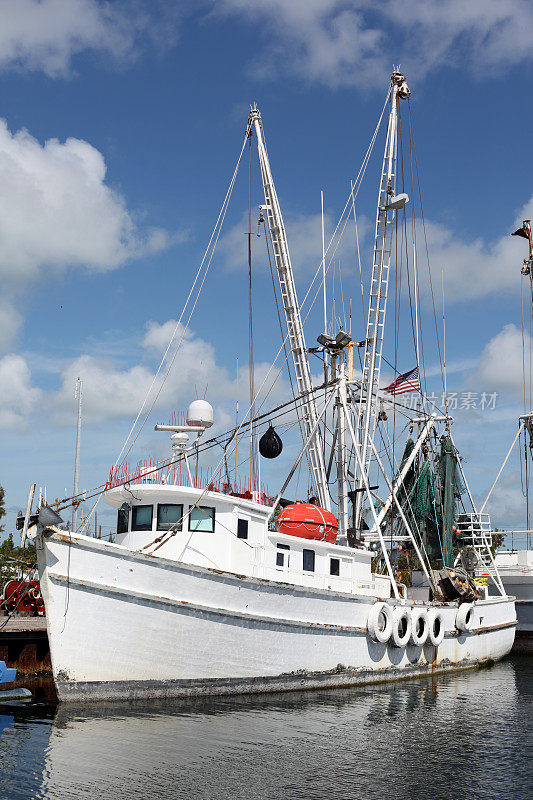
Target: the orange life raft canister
pixel 308 522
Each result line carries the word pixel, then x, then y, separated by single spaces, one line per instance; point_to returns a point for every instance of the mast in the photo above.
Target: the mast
pixel 253 448
pixel 342 463
pixel 77 394
pixel 310 429
pixel 386 207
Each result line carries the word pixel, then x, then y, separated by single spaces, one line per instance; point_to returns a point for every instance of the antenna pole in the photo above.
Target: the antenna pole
pixel 27 515
pixel 77 394
pixel 324 263
pixel 342 465
pixel 444 356
pixel 325 354
pixel 237 426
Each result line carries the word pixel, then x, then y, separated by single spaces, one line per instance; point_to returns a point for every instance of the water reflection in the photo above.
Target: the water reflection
pixel 461 736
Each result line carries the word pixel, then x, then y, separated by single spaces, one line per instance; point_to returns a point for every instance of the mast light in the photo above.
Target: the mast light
pixel 397 202
pixel 342 339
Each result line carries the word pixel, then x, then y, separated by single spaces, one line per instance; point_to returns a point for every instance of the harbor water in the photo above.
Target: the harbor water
pixel 462 736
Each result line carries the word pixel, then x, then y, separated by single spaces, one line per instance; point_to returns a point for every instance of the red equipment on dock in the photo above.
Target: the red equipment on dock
pixel 22 596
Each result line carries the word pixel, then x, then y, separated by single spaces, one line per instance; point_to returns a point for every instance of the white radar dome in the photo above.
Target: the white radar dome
pixel 200 412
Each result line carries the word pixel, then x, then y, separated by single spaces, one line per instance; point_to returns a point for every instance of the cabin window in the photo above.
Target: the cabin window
pixel 142 518
pixel 280 556
pixel 242 528
pixel 123 518
pixel 202 518
pixel 334 566
pixel 168 515
pixel 309 560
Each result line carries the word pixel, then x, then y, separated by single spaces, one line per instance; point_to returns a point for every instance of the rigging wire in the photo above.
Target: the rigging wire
pixel 213 240
pixel 415 159
pixel 209 444
pixel 352 195
pixel 358 253
pixel 355 186
pixel 284 338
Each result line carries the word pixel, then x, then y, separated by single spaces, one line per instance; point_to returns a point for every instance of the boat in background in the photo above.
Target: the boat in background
pixel 11 693
pixel 516 571
pixel 515 565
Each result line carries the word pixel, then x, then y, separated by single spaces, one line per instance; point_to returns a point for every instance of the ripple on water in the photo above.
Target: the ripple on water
pixel 466 736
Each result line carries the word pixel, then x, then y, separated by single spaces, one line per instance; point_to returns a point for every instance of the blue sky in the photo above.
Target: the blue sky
pixel 122 122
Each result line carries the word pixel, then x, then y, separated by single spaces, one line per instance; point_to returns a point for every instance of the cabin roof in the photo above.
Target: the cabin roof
pixel 138 493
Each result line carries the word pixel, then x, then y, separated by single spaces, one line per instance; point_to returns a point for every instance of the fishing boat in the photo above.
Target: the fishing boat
pixel 515 563
pixel 516 571
pixel 212 587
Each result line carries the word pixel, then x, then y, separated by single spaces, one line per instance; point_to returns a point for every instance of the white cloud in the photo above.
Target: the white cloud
pixel 506 505
pixel 500 366
pixel 335 42
pixel 18 397
pixel 57 211
pixel 10 322
pixel 481 35
pixel 327 41
pixel 107 392
pixel 45 35
pixel 472 269
pixel 158 335
pixel 304 235
pixel 353 42
pixel 111 393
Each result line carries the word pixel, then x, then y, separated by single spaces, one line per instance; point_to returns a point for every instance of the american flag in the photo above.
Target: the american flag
pixel 408 382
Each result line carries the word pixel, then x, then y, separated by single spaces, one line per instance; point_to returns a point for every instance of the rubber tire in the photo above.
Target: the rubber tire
pixel 399 640
pixel 434 638
pixel 464 621
pixel 416 615
pixel 381 636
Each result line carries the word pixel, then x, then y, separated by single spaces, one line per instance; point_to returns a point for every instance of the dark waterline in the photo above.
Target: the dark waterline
pixel 466 736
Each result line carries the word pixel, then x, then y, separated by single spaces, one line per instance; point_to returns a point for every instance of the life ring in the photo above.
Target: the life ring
pixel 419 626
pixel 464 621
pixel 401 627
pixel 379 624
pixel 436 627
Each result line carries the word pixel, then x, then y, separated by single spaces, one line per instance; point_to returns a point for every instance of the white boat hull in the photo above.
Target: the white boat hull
pixel 124 625
pixel 516 571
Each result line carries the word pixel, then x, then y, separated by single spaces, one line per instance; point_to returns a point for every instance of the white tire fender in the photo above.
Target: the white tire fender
pixel 419 626
pixel 401 626
pixel 436 627
pixel 379 624
pixel 464 621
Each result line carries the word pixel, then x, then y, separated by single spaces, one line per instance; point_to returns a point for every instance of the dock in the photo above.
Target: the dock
pixel 24 644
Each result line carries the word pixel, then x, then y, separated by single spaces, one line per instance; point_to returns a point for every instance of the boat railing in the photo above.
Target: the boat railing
pixel 475 529
pixel 148 472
